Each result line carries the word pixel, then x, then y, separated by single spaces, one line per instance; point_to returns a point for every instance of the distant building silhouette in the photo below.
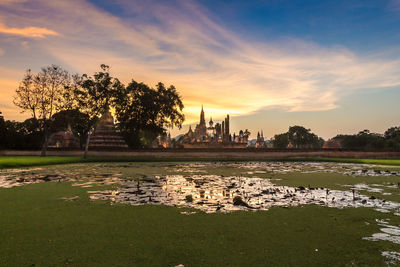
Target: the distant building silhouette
pixel 331 144
pixel 217 135
pixel 64 139
pixel 260 142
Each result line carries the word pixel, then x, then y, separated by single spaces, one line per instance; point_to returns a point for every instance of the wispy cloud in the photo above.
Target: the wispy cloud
pixel 11 2
pixel 395 5
pixel 184 45
pixel 30 32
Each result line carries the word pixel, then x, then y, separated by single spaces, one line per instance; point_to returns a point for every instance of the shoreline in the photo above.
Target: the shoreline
pixel 219 154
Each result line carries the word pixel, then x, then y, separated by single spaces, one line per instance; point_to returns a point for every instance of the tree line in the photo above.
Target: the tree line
pixel 365 140
pixel 54 98
pixel 300 137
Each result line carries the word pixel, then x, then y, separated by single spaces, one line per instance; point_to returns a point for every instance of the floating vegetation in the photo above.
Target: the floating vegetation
pixel 212 193
pixel 392 256
pixel 390 233
pixel 188 186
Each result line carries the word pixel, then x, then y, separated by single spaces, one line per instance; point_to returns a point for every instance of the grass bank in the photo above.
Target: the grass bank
pixel 392 162
pixel 40 229
pixel 28 161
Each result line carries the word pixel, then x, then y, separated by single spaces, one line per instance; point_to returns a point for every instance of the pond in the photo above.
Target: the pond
pixel 226 187
pixel 215 187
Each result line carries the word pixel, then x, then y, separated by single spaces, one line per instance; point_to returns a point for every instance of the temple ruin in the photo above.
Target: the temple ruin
pixel 64 139
pixel 214 136
pixel 106 136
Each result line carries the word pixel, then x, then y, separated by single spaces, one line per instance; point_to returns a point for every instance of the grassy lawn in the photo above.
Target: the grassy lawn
pixel 40 229
pixel 26 161
pixel 392 162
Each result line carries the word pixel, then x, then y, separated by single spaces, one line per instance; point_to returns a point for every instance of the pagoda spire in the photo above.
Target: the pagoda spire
pixel 202 119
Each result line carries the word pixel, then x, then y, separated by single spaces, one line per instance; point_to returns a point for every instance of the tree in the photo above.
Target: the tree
pixel 144 113
pixel 280 140
pixel 298 137
pixel 301 137
pixel 28 95
pixel 392 138
pixel 392 133
pixel 364 140
pixel 43 95
pixel 24 135
pixel 3 132
pixel 246 134
pixel 94 96
pixel 73 118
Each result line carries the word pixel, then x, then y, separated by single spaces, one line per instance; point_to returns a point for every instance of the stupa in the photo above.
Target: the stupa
pixel 64 139
pixel 106 135
pixel 331 144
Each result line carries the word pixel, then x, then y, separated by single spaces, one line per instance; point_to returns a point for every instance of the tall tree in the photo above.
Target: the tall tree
pixel 144 113
pixel 280 140
pixel 298 137
pixel 3 132
pixel 392 138
pixel 392 132
pixel 43 95
pixel 28 95
pixel 364 140
pixel 94 96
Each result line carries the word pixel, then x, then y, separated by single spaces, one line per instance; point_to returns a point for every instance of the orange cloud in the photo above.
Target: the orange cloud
pixel 11 2
pixel 31 32
pixel 209 64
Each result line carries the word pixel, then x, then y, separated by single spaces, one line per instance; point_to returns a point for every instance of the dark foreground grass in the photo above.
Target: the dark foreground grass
pixel 27 161
pixel 39 229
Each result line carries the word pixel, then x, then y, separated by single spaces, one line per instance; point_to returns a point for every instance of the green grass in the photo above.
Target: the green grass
pixel 392 162
pixel 27 161
pixel 39 229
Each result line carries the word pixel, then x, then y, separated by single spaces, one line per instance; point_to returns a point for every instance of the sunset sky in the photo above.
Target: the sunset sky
pixel 332 66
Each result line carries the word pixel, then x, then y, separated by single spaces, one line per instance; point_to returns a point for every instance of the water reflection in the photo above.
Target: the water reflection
pixel 212 193
pixel 195 185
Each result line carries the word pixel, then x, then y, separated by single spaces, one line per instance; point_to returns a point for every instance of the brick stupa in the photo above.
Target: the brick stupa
pixel 64 139
pixel 106 135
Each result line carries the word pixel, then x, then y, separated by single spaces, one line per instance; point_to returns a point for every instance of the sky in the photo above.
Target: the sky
pixel 331 66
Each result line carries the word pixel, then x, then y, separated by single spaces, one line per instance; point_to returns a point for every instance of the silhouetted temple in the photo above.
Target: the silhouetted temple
pixel 260 143
pixel 331 144
pixel 64 139
pixel 217 135
pixel 106 135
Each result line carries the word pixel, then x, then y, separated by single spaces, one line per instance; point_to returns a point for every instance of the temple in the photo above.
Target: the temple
pixel 106 135
pixel 64 139
pixel 260 142
pixel 215 135
pixel 331 144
